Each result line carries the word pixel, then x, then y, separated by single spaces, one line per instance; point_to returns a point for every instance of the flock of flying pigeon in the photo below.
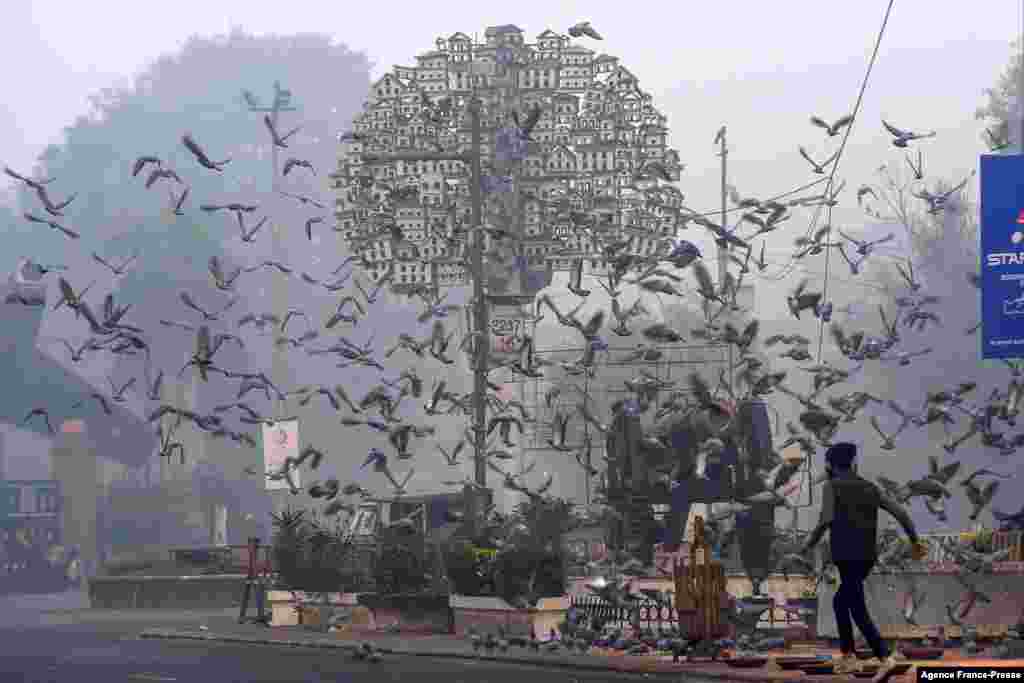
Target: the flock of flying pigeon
pixel 378 409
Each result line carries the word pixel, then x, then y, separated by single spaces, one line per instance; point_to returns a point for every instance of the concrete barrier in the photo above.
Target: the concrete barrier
pixel 886 594
pixel 159 592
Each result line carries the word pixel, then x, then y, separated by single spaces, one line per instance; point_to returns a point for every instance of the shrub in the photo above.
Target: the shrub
pixel 309 556
pixel 399 570
pixel 467 573
pixel 524 575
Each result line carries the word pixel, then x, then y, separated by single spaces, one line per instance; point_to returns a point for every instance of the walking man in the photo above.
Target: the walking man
pixel 849 512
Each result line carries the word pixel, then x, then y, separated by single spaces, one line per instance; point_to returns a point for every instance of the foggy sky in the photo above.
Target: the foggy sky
pixel 761 71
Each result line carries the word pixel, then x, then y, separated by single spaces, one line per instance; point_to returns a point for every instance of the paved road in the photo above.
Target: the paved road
pixel 74 646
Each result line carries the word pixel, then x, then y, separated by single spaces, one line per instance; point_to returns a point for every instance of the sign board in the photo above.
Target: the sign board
pixel 510 326
pixel 280 441
pixel 484 553
pixel 72 427
pixel 30 498
pixel 364 521
pixel 1002 256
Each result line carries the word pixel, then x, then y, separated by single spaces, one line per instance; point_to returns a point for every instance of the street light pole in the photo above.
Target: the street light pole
pixel 281 103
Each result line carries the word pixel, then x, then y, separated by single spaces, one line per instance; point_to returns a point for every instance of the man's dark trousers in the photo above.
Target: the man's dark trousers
pixel 850 606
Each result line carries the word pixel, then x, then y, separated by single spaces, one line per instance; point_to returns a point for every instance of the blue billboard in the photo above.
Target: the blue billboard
pixel 1002 256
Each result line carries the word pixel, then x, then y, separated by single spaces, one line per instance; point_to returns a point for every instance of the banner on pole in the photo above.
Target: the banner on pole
pixel 510 328
pixel 280 441
pixel 1002 256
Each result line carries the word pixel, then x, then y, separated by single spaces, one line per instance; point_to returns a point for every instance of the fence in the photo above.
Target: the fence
pixel 611 369
pixel 652 615
pixel 937 554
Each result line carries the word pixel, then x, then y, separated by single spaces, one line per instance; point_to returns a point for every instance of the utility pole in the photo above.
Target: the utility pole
pixel 279 291
pixel 723 246
pixel 480 312
pixel 476 271
pixel 281 103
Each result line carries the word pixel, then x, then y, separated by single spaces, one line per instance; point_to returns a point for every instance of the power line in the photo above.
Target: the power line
pixel 839 157
pixel 856 282
pixel 846 136
pixel 718 212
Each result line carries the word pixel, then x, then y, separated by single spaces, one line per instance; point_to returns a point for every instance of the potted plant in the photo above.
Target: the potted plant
pixel 309 558
pixel 402 598
pixel 506 585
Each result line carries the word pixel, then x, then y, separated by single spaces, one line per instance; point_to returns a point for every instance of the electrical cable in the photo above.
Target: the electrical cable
pixel 839 156
pixel 718 212
pixel 846 136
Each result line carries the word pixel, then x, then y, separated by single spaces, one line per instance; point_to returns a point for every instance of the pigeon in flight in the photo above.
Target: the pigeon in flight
pixel 818 168
pixel 834 128
pixel 192 146
pixel 297 163
pixel 278 140
pixel 32 218
pixel 900 138
pixel 584 29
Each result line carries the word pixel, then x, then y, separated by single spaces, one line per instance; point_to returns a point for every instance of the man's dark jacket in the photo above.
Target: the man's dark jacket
pixel 849 511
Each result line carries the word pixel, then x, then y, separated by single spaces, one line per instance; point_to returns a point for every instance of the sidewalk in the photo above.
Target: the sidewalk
pixel 451 647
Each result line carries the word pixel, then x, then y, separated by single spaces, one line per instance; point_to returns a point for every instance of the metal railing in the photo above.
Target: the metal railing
pixel 938 554
pixel 652 615
pixel 224 559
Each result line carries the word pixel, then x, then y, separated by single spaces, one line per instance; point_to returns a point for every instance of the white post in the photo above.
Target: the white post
pixel 219 527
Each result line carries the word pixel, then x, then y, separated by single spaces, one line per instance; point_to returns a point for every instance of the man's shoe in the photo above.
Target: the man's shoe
pixel 845 664
pixel 885 667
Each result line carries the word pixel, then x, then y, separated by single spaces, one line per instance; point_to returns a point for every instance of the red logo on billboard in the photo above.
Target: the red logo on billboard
pixel 1020 217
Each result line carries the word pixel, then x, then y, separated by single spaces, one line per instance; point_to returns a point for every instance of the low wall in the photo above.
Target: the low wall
pixel 485 614
pixel 157 592
pixel 886 594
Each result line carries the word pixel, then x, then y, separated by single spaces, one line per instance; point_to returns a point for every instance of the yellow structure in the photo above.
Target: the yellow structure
pixel 701 588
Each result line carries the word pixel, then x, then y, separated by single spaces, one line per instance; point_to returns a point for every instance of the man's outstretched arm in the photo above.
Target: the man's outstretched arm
pixel 901 516
pixel 825 521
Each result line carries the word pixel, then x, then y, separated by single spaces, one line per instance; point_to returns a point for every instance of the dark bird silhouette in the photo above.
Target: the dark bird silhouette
pixel 119 268
pixel 525 126
pixel 143 161
pixel 902 137
pixel 234 207
pixel 78 354
pixel 303 199
pixel 249 236
pixel 225 282
pixel 162 173
pixel 918 168
pixel 69 297
pixel 192 146
pixel 117 392
pixel 310 222
pixel 278 140
pixel 43 413
pixel 202 357
pixel 189 302
pixel 292 162
pixel 584 29
pixel 32 218
pixel 155 389
pixel 99 398
pixel 178 202
pixel 818 168
pixel 833 129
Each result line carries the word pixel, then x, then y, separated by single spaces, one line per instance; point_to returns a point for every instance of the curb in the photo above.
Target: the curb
pixel 661 669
